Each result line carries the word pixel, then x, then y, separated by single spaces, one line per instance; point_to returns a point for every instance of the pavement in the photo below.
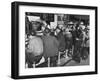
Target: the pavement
pixel 68 62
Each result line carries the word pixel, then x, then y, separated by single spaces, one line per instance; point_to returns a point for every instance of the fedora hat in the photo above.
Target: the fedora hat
pixel 81 23
pixel 70 23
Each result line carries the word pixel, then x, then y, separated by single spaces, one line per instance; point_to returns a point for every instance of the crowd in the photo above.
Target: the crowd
pixel 44 41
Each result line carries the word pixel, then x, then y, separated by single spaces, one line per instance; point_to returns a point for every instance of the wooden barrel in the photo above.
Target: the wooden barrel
pixel 36 46
pixel 35 50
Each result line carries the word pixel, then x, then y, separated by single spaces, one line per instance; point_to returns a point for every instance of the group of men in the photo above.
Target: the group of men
pixel 41 41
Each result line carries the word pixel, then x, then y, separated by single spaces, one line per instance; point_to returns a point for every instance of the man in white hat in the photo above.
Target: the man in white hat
pixel 81 26
pixel 36 24
pixel 70 25
pixel 34 47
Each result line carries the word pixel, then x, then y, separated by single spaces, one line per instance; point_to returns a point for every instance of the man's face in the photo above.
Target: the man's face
pixel 60 26
pixel 35 25
pixel 82 27
pixel 71 26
